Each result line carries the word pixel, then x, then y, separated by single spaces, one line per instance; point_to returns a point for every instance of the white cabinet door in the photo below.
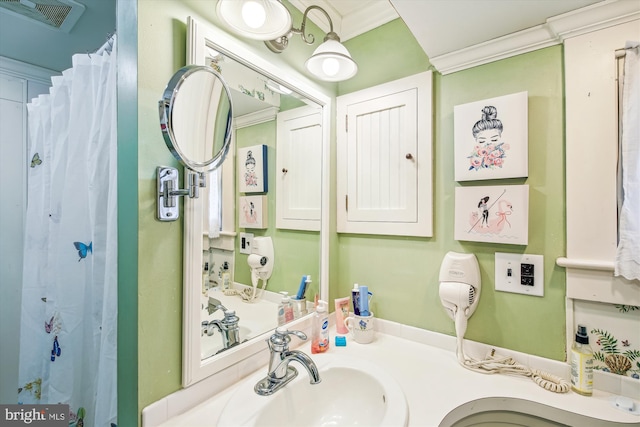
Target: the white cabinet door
pixel 298 169
pixel 384 159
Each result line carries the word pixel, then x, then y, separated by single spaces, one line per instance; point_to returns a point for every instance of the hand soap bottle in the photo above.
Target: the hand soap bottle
pixel 285 309
pixel 226 276
pixel 205 278
pixel 320 329
pixel 582 363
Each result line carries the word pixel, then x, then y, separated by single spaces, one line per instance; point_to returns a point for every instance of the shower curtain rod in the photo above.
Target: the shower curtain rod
pixel 621 52
pixel 108 45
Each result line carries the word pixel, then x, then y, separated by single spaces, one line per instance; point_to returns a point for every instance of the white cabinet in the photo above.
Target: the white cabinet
pixel 384 159
pixel 298 169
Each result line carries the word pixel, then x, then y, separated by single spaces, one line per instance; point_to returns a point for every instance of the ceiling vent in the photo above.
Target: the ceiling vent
pixel 56 14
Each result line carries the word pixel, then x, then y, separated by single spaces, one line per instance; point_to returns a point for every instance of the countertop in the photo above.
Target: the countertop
pixel 435 384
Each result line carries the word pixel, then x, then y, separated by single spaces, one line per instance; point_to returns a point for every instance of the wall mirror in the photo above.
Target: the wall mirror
pixel 195 117
pixel 195 120
pixel 212 232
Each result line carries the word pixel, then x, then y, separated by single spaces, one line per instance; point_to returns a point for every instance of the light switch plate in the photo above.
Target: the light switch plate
pixel 246 243
pixel 520 273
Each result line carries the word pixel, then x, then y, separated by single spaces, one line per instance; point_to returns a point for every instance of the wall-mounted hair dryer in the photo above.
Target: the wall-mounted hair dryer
pixel 459 294
pixel 459 289
pixel 261 261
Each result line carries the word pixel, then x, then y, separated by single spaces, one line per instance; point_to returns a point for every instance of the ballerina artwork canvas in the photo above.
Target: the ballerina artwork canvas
pixel 494 214
pixel 252 169
pixel 490 138
pixel 252 212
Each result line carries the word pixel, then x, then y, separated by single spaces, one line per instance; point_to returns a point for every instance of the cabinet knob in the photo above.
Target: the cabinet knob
pixel 408 156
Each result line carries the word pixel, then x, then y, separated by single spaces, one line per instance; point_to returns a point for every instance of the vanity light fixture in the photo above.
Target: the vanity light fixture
pixel 270 21
pixel 255 19
pixel 331 61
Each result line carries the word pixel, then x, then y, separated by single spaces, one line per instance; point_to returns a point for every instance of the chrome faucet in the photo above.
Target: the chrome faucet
pixel 215 305
pixel 228 325
pixel 280 373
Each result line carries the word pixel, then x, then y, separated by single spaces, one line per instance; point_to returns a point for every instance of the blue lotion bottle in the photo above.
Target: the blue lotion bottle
pixel 364 301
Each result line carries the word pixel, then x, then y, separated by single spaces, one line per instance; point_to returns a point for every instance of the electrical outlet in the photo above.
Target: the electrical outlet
pixel 246 243
pixel 520 273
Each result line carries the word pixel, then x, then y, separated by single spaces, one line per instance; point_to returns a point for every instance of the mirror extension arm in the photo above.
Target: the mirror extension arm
pixel 169 190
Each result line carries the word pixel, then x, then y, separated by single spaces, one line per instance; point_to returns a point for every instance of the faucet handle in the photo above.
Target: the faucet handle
pixel 280 330
pixel 280 339
pixel 230 317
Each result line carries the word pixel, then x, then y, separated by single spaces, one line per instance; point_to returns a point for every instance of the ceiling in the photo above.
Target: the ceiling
pixel 440 26
pixel 37 44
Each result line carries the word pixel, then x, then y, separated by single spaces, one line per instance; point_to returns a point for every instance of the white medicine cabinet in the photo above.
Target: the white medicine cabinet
pixel 384 159
pixel 299 169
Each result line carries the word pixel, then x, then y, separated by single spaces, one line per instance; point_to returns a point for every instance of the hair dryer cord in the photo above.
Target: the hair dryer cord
pixel 493 364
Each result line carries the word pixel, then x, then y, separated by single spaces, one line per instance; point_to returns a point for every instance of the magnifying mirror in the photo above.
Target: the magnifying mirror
pixel 195 120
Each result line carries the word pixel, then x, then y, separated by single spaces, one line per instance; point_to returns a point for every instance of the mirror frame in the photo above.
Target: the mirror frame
pixel 200 36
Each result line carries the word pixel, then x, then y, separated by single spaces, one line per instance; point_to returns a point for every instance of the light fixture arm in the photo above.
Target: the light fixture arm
pixel 331 61
pixel 310 39
pixel 280 44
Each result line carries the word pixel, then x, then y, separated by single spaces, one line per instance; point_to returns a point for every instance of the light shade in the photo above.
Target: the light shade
pixel 255 19
pixel 332 62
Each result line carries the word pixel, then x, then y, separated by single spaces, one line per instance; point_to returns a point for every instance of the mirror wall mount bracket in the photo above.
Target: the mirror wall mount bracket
pixel 169 190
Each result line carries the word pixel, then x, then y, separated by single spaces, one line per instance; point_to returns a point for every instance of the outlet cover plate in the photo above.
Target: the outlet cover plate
pixel 520 273
pixel 246 243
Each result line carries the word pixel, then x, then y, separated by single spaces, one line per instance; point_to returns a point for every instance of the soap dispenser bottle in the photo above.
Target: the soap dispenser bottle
pixel 226 276
pixel 205 278
pixel 320 329
pixel 582 363
pixel 285 309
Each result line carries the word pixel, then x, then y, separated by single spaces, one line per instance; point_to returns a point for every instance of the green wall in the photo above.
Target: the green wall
pixel 403 271
pixel 127 104
pixel 161 51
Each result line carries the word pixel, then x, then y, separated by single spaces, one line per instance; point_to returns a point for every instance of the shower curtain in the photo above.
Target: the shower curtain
pixel 69 295
pixel 628 253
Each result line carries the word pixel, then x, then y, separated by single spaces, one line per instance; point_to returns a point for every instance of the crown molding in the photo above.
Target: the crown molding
pixel 261 116
pixel 594 18
pixel 366 19
pixel 554 31
pixel 22 69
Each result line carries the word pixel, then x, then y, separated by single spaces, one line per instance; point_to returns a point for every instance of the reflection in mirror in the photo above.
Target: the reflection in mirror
pixel 266 114
pixel 212 236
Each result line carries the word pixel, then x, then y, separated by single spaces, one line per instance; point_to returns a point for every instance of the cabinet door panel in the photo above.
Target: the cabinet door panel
pixel 298 168
pixel 382 185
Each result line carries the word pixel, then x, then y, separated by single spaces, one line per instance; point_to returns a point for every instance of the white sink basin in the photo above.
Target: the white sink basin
pixel 352 392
